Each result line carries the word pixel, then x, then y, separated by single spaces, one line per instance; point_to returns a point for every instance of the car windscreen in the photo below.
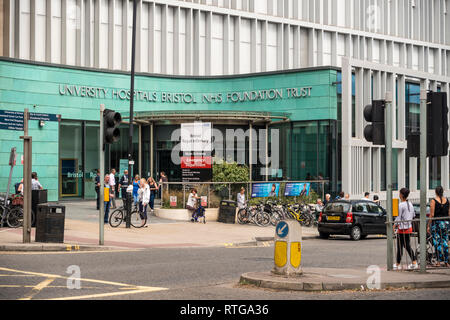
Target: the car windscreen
pixel 337 207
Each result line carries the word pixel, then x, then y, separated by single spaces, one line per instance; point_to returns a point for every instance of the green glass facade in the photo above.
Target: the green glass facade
pixel 65 152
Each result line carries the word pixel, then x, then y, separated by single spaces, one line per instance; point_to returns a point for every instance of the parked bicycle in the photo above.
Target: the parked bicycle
pixel 138 220
pixel 254 214
pixel 11 211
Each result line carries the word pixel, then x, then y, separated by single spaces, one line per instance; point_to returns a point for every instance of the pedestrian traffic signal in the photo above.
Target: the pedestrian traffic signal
pixel 374 113
pixel 437 124
pixel 111 121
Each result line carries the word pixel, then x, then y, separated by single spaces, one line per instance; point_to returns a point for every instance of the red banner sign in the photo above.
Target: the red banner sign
pixel 196 162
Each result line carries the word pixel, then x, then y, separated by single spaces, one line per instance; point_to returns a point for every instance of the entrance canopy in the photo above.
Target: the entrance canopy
pixel 235 117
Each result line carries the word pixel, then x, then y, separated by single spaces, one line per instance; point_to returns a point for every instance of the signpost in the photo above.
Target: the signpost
pixel 27 165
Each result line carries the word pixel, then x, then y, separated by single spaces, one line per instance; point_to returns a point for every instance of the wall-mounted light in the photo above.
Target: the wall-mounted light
pixel 41 123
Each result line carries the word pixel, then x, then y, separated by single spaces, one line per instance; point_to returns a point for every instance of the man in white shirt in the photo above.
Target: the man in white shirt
pixel 112 184
pixel 35 184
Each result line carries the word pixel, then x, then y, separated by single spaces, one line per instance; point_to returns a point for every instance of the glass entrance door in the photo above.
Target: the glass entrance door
pixel 71 159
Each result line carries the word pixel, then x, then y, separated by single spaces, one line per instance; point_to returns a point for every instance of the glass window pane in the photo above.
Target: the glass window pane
pixel 92 159
pixel 71 159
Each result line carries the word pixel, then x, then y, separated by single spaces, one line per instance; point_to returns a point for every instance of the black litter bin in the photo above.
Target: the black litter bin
pixel 50 223
pixel 37 197
pixel 227 211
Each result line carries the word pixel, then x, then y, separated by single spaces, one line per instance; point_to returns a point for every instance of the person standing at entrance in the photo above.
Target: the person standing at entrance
pixel 97 188
pixel 162 180
pixel 123 185
pixel 107 198
pixel 112 184
pixel 404 229
pixel 153 190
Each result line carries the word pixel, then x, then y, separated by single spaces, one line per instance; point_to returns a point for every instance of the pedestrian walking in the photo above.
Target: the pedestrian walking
pixel 153 190
pixel 136 185
pixel 403 228
pixel 107 198
pixel 112 184
pixel 366 196
pixel 144 199
pixel 97 188
pixel 241 200
pixel 439 208
pixel 123 185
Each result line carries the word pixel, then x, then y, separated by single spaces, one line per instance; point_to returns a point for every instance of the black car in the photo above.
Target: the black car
pixel 356 218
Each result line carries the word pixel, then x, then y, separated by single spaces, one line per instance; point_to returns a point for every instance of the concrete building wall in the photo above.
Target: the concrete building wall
pixel 1 27
pixel 220 37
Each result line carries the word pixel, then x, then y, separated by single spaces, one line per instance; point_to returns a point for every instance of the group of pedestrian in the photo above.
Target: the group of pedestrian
pixel 35 184
pixel 143 191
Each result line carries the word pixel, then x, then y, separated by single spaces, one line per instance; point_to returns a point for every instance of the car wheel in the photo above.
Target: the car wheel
pixel 355 233
pixel 324 235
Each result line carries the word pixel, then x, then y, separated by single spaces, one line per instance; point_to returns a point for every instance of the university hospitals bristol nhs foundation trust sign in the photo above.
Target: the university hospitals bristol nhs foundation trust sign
pixel 303 95
pixel 186 98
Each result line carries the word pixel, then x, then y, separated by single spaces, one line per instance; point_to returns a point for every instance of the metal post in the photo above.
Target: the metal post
pixel 102 178
pixel 250 155
pixel 27 165
pixel 388 139
pixel 423 178
pixel 130 137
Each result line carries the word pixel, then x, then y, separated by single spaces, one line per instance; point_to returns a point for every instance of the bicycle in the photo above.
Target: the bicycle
pixel 300 213
pixel 118 216
pixel 254 214
pixel 12 212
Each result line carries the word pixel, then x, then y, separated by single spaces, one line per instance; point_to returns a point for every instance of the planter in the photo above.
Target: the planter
pixel 184 214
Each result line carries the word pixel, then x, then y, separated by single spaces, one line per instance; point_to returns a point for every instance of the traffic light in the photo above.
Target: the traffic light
pixel 374 113
pixel 111 121
pixel 437 124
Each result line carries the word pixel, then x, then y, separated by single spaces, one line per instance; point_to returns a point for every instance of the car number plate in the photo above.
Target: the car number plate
pixel 337 218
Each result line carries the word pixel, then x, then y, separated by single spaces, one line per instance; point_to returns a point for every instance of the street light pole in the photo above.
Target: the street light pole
pixel 130 137
pixel 388 145
pixel 101 193
pixel 423 178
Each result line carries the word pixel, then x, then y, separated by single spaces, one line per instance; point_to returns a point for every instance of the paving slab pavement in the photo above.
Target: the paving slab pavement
pixel 335 279
pixel 82 230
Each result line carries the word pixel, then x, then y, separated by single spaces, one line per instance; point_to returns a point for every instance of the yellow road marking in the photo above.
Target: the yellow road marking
pixel 103 295
pixel 51 277
pixel 63 252
pixel 36 289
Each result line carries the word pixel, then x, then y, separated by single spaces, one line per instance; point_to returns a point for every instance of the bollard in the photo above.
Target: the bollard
pixel 288 248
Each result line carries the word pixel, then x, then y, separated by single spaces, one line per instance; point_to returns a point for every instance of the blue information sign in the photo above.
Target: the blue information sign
pixel 13 120
pixel 297 189
pixel 282 229
pixel 264 190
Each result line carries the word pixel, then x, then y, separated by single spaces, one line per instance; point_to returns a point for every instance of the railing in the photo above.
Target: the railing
pixel 407 246
pixel 218 191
